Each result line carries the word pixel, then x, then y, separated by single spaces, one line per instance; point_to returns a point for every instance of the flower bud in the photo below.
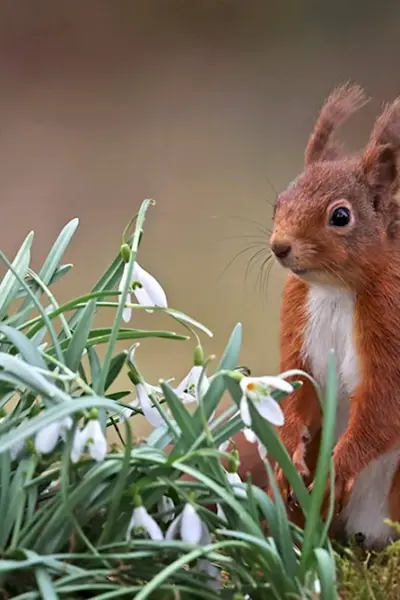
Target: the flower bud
pixel 125 253
pixel 198 356
pixel 93 414
pixel 134 376
pixel 233 461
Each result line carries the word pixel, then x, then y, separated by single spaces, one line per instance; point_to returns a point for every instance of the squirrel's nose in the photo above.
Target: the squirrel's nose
pixel 281 249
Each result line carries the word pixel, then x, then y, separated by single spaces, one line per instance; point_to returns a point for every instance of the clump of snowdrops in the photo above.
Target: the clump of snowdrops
pixel 82 520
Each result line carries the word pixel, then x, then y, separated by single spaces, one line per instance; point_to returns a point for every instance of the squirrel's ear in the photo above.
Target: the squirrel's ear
pixel 380 159
pixel 379 164
pixel 342 103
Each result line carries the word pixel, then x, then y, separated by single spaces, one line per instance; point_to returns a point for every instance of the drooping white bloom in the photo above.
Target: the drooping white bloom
pixel 188 389
pixel 252 438
pixel 258 390
pixel 224 446
pixel 149 294
pixel 189 527
pixel 92 437
pixel 46 439
pixel 141 518
pixel 233 478
pixel 166 505
pixel 16 449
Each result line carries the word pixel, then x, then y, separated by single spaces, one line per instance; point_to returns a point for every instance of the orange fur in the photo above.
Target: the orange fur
pixel 362 257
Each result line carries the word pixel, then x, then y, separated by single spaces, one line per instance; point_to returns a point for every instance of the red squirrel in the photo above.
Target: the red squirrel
pixel 336 230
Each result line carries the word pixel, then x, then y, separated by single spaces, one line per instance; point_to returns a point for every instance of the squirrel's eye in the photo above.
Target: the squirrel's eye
pixel 340 217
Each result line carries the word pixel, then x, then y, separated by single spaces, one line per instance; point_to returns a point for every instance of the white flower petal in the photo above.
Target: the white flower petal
pixel 166 505
pixel 96 441
pixel 173 528
pixel 262 451
pixel 126 412
pixel 211 570
pixel 187 398
pixel 141 518
pixel 270 410
pixel 249 435
pixel 205 535
pixel 224 446
pixel 191 525
pixel 277 383
pixel 244 411
pixel 233 478
pixel 66 424
pixel 150 284
pixel 78 445
pixel 180 389
pixel 16 449
pixel 46 439
pixel 150 412
pixel 127 311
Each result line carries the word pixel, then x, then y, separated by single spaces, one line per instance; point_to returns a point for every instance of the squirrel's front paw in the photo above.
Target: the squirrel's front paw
pixel 342 490
pixel 296 442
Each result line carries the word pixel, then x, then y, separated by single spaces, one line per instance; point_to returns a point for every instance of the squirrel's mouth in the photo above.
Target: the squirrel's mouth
pixel 300 272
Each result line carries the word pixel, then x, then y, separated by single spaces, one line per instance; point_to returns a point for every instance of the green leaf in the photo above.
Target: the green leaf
pixel 327 574
pixel 45 584
pixel 94 363
pixel 27 375
pixel 284 540
pixel 56 253
pixel 27 349
pixel 116 365
pixel 10 285
pixel 77 344
pixel 313 521
pixel 230 358
pixel 181 415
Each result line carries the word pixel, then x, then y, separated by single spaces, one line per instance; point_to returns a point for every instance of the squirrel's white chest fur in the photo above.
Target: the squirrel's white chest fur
pixel 330 324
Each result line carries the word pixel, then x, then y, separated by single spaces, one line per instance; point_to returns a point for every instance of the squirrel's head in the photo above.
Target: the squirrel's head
pixel 339 215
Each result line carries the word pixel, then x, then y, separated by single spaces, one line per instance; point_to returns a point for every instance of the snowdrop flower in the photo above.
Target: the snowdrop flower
pixel 233 478
pixel 166 505
pixel 187 389
pixel 92 437
pixel 224 446
pixel 189 527
pixel 46 439
pixel 143 392
pixel 149 293
pixel 144 402
pixel 212 571
pixel 252 438
pixel 16 449
pixel 141 518
pixel 258 390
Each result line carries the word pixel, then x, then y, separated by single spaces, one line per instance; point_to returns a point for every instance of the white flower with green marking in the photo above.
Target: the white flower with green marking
pixel 258 390
pixel 189 527
pixel 148 292
pixel 92 438
pixel 141 519
pixel 188 388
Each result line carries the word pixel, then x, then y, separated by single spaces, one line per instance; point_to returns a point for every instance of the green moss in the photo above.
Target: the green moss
pixel 370 576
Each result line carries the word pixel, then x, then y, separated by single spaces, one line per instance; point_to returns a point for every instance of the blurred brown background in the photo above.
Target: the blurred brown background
pixel 203 105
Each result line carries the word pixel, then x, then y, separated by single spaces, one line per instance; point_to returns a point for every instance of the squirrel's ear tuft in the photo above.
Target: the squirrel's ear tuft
pixel 381 156
pixel 342 102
